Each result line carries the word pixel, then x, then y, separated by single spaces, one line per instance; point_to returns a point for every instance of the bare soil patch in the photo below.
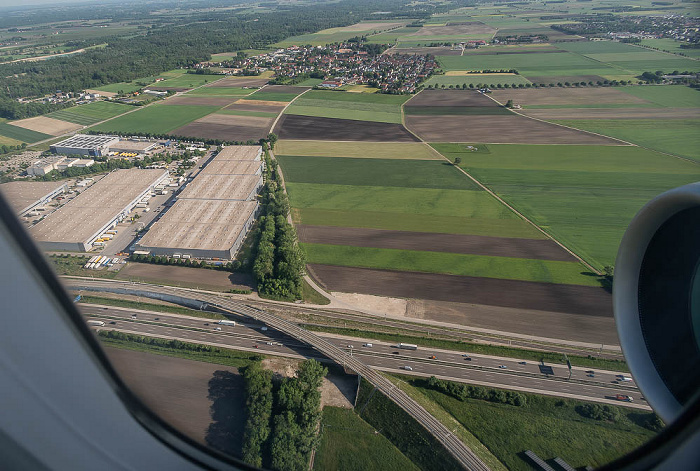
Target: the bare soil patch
pixel 450 98
pixel 566 96
pixel 54 127
pixel 330 129
pixel 238 82
pixel 202 400
pixel 421 51
pixel 227 127
pixel 464 289
pixel 371 303
pixel 102 93
pixel 338 390
pixel 200 100
pixel 184 276
pixel 542 249
pixel 257 105
pixel 614 113
pixel 555 325
pixel 465 28
pixel 498 129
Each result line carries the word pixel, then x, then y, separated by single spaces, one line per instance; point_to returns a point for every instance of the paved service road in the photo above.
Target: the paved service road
pixel 478 369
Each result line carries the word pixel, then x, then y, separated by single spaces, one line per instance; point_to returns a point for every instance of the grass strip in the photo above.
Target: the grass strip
pixel 478 348
pixel 177 348
pixel 150 307
pixel 310 295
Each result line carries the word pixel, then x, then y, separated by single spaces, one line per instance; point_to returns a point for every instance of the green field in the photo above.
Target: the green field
pixel 188 80
pixel 671 45
pixel 374 172
pixel 91 113
pixel 357 110
pixel 448 263
pixel 220 91
pixel 349 443
pixel 20 134
pixel 675 136
pixel 549 426
pixel 156 119
pixel 489 79
pixel 585 196
pixel 360 150
pixel 530 65
pixel 667 96
pixel 272 96
pixel 124 87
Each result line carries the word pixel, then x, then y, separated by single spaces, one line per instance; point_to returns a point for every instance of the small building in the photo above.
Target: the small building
pixel 155 92
pixel 44 166
pixel 83 144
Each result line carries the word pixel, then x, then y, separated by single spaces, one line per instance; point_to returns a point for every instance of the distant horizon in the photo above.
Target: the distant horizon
pixel 32 3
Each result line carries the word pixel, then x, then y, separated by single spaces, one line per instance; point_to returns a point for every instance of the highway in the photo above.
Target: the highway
pixel 592 385
pixel 452 444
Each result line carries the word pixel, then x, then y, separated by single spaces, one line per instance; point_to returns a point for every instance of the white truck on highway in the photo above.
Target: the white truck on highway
pixel 407 346
pixel 96 323
pixel 223 322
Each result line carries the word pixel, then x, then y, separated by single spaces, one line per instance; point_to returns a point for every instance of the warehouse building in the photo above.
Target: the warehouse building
pixel 75 226
pixel 201 229
pixel 26 196
pixel 214 212
pixel 83 144
pixel 135 146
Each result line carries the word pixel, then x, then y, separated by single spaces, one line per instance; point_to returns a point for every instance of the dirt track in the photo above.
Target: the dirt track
pixel 498 130
pixel 202 400
pixel 330 129
pixel 584 300
pixel 543 249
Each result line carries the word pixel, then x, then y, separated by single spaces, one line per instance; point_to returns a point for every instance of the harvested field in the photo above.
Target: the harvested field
pixel 369 26
pixel 512 50
pixel 190 395
pixel 457 30
pixel 200 100
pixel 333 129
pixel 547 79
pixel 54 127
pixel 614 113
pixel 572 299
pixel 239 82
pixel 183 276
pixel 499 129
pixel 227 127
pixel 433 242
pixel 169 89
pixel 566 96
pixel 421 51
pixel 256 105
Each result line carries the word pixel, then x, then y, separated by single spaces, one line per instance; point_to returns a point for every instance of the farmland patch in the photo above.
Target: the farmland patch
pixel 305 127
pixel 157 119
pixel 21 134
pixel 227 127
pixel 358 149
pixel 45 125
pixel 91 113
pixel 189 100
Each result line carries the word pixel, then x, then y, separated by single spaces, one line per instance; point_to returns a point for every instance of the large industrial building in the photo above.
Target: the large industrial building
pixel 83 144
pixel 26 196
pixel 75 226
pixel 214 212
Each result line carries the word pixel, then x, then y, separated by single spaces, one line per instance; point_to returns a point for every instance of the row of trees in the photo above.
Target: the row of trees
pixel 279 262
pixel 172 137
pixel 281 429
pixel 186 262
pixel 463 391
pixel 599 83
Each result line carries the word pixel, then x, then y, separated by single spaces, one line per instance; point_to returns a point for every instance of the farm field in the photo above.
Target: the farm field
pixel 20 134
pixel 91 113
pixel 469 116
pixel 669 96
pixel 45 125
pixel 571 97
pixel 475 79
pixel 184 80
pixel 157 119
pixel 227 127
pixel 348 442
pixel 332 35
pixel 584 196
pixel 314 128
pixel 671 45
pixel 675 136
pixel 549 426
pixel 360 150
pixel 220 91
pixel 344 105
pixel 197 100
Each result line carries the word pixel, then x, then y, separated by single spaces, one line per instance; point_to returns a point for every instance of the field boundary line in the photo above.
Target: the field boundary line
pixel 503 202
pixel 281 113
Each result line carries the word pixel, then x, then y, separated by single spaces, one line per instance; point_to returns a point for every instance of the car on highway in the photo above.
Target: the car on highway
pixel 157 319
pixel 590 372
pixel 503 367
pixel 623 378
pixel 466 357
pixel 368 345
pixel 113 322
pixel 407 368
pixel 623 397
pixel 395 353
pixel 256 346
pixel 522 363
pixel 133 315
pixel 350 346
pixel 591 375
pixel 217 328
pixel 432 357
pixel 269 343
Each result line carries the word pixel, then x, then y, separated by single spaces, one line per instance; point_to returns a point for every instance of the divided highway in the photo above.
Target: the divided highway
pixel 459 450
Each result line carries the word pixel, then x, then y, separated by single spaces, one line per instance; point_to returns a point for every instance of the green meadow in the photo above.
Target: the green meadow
pixel 156 119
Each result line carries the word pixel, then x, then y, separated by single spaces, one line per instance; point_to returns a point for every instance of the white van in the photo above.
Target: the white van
pixel 368 345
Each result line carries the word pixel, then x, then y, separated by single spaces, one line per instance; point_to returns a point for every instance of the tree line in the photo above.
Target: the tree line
pixel 279 262
pixel 281 429
pixel 464 391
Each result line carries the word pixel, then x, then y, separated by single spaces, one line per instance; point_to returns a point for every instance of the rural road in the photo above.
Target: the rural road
pixel 481 369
